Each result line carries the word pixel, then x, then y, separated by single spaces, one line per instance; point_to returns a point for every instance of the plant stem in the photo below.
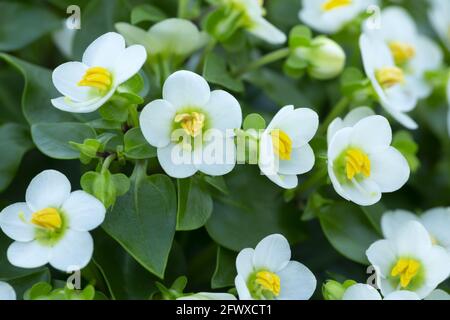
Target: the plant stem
pixel 264 60
pixel 209 48
pixel 107 162
pixel 182 6
pixel 134 117
pixel 336 111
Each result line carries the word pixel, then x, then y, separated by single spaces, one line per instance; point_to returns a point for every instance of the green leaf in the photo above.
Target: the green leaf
pixel 300 36
pixel 349 231
pixel 105 186
pixel 52 139
pixel 144 221
pixel 254 121
pixel 147 12
pixel 215 71
pixel 404 142
pixel 14 143
pixel 217 183
pixel 112 111
pixel 22 284
pixel 136 147
pixel 225 271
pixel 195 205
pixel 252 211
pixel 23 23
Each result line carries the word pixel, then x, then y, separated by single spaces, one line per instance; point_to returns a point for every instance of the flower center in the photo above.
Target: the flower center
pixel 268 281
pixel 406 269
pixel 402 51
pixel 356 162
pixel 48 218
pixel 192 122
pixel 333 4
pixel 389 76
pixel 282 144
pixel 96 77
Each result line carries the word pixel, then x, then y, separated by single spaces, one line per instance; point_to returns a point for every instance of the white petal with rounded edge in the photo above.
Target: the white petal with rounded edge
pixel 244 263
pixel 176 162
pixel 104 51
pixel 12 222
pixel 284 181
pixel 50 188
pixel 241 287
pixel 392 221
pixel 402 295
pixel 412 239
pixel 128 63
pixel 156 122
pixel 336 184
pixel 437 267
pixel 272 253
pixel 300 125
pixel 297 282
pixel 335 125
pixel 66 77
pixel 224 110
pixel 186 89
pixel 84 211
pixel 7 292
pixel 28 254
pixel 340 142
pixel 437 223
pixel 266 31
pixel 282 114
pixel 302 160
pixel 352 118
pixel 372 133
pixel 389 169
pixel 382 256
pixel 361 291
pixel 72 252
pixel 364 193
pixel 65 104
pixel 218 157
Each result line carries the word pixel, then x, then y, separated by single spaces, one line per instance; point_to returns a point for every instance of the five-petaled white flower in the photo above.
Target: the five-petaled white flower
pixel 408 260
pixel 414 53
pixel 439 16
pixel 388 80
pixel 7 292
pixel 436 221
pixel 284 151
pixel 361 163
pixel 330 16
pixel 209 296
pixel 192 127
pixel 362 291
pixel 266 272
pixel 53 225
pixel 89 84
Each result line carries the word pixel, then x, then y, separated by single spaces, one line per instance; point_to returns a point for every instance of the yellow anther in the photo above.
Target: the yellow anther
pixel 192 122
pixel 333 4
pixel 406 269
pixel 402 51
pixel 48 218
pixel 389 76
pixel 96 77
pixel 282 144
pixel 268 281
pixel 356 162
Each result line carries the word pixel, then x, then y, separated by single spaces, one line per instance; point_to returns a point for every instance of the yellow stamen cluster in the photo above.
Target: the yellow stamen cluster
pixel 48 218
pixel 282 144
pixel 333 4
pixel 97 77
pixel 356 162
pixel 388 77
pixel 407 269
pixel 402 52
pixel 269 281
pixel 192 122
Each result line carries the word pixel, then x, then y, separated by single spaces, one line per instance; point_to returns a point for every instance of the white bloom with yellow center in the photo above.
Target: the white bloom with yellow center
pixel 361 163
pixel 284 151
pixel 53 225
pixel 105 65
pixel 408 260
pixel 436 221
pixel 7 292
pixel 366 292
pixel 439 16
pixel 330 16
pixel 209 296
pixel 388 80
pixel 414 53
pixel 192 127
pixel 266 272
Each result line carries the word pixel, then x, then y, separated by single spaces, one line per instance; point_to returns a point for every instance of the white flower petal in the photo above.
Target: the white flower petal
pixel 28 254
pixel 297 282
pixel 302 160
pixel 412 239
pixel 13 222
pixel 219 156
pixel 364 193
pixel 300 125
pixel 66 77
pixel 352 118
pixel 209 296
pixel 186 89
pixel 339 142
pixel 335 125
pixel 266 31
pixel 272 253
pixel 372 134
pixel 104 51
pixel 282 114
pixel 224 110
pixel 437 267
pixel 244 263
pixel 402 295
pixel 389 169
pixel 65 104
pixel 336 184
pixel 382 256
pixel 128 63
pixel 241 287
pixel 392 221
pixel 437 223
pixel 6 292
pixel 171 158
pixel 84 211
pixel 49 188
pixel 156 122
pixel 438 294
pixel 428 56
pixel 72 252
pixel 361 291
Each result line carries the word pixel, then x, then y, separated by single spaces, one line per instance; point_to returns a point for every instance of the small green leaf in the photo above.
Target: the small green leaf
pixel 217 182
pixel 225 271
pixel 114 111
pixel 105 186
pixel 254 121
pixel 147 12
pixel 215 71
pixel 136 147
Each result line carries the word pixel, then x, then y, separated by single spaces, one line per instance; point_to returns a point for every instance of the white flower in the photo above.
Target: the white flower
pixel 436 221
pixel 254 21
pixel 352 118
pixel 194 124
pixel 409 261
pixel 208 296
pixel 362 291
pixel 361 163
pixel 439 16
pixel 438 294
pixel 388 80
pixel 330 16
pixel 106 64
pixel 265 273
pixel 284 151
pixel 52 225
pixel 6 292
pixel 414 53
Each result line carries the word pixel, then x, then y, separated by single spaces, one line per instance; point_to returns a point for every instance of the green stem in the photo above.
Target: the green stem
pixel 208 49
pixel 134 116
pixel 107 162
pixel 182 8
pixel 140 171
pixel 264 60
pixel 336 111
